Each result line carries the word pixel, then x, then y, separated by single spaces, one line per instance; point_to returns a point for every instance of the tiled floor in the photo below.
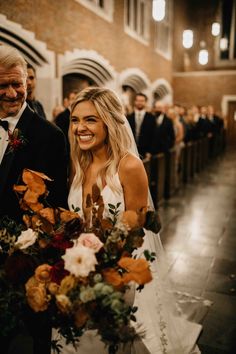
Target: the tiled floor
pixel 199 235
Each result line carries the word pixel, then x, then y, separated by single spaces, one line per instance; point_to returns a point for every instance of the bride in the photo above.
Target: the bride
pixel 103 151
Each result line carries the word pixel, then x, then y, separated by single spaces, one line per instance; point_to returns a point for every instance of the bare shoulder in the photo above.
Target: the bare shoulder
pixel 130 164
pixel 131 169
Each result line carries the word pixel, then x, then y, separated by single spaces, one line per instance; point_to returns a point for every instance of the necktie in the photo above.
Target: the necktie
pixel 4 124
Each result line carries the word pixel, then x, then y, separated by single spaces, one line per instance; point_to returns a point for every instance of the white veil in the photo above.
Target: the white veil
pixel 159 311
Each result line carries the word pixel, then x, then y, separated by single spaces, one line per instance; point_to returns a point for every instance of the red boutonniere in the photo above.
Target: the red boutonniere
pixel 16 140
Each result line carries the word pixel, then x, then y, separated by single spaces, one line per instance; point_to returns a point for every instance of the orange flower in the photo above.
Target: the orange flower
pixel 67 215
pixel 43 273
pixel 63 303
pixel 137 270
pixel 130 219
pixel 67 284
pixel 53 288
pixel 37 298
pixel 113 277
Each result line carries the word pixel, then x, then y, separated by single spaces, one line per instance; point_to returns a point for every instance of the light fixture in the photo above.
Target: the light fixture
pixel 158 9
pixel 187 38
pixel 223 44
pixel 215 28
pixel 203 57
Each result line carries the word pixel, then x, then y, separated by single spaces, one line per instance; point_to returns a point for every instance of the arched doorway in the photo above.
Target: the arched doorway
pixel 83 68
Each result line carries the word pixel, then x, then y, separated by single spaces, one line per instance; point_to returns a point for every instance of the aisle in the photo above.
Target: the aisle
pixel 199 235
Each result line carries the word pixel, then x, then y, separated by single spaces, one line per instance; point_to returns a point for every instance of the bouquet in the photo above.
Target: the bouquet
pixel 79 272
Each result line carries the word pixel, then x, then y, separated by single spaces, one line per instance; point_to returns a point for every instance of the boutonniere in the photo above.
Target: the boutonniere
pixel 16 140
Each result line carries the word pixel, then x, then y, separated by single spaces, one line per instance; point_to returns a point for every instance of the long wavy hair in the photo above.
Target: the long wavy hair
pixel 118 141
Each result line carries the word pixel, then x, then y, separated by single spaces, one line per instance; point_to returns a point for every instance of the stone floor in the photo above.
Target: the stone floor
pixel 199 235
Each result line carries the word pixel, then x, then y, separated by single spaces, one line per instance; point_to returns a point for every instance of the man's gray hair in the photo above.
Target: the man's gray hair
pixel 11 57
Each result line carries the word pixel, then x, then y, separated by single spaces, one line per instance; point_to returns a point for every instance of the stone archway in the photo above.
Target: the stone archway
pixel 132 81
pixel 162 91
pixel 80 66
pixel 36 53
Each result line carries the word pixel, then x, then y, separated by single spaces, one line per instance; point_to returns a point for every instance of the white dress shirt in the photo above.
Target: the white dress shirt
pixel 139 115
pixel 159 119
pixel 4 137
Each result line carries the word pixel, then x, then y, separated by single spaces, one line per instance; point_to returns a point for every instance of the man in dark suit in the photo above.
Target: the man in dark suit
pixel 37 145
pixel 143 125
pixel 62 120
pixel 164 137
pixel 34 104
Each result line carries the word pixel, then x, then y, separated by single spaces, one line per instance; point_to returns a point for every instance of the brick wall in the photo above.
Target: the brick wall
pixel 65 25
pixel 204 89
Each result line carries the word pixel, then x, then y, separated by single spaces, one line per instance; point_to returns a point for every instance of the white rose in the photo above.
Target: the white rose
pixel 79 260
pixel 26 239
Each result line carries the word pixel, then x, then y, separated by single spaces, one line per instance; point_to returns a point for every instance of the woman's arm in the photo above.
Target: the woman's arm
pixel 134 181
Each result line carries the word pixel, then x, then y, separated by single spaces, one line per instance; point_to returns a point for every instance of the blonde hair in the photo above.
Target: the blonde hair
pixel 11 57
pixel 118 140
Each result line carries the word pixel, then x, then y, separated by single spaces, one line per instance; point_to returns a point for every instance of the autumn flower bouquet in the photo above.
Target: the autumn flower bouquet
pixel 79 273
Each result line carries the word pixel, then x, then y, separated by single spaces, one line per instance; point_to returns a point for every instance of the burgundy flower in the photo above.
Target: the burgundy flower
pixel 58 272
pixel 60 242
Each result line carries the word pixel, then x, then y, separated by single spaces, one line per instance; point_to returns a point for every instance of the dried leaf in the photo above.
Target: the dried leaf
pixel 27 220
pixel 30 197
pixel 35 206
pixel 88 201
pixel 106 224
pixel 67 215
pixel 48 214
pixel 95 193
pixel 34 181
pixel 19 189
pixel 40 174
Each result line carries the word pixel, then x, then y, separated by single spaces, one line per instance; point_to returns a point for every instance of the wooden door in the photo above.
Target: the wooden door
pixel 231 124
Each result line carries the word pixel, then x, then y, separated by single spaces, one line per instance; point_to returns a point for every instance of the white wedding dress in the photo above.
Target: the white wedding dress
pixel 167 331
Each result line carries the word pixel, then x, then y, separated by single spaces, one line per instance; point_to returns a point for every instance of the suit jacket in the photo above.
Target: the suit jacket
pixel 63 122
pixel 146 135
pixel 164 137
pixel 44 151
pixel 37 107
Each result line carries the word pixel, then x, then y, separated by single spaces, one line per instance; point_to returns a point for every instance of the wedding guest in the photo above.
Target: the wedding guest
pixel 164 137
pixel 143 125
pixel 179 140
pixel 37 145
pixel 31 86
pixel 63 118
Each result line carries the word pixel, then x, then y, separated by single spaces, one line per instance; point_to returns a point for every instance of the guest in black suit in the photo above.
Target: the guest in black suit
pixel 143 125
pixel 63 118
pixel 41 147
pixel 34 104
pixel 164 138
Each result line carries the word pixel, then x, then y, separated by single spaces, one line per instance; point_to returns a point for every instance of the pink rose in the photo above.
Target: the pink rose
pixel 90 241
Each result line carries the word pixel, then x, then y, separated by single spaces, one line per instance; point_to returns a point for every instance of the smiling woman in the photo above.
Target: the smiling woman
pixel 88 127
pixel 101 149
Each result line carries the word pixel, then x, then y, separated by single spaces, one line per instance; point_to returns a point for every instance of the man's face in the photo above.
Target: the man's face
pixel 158 108
pixel 12 90
pixel 31 83
pixel 140 103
